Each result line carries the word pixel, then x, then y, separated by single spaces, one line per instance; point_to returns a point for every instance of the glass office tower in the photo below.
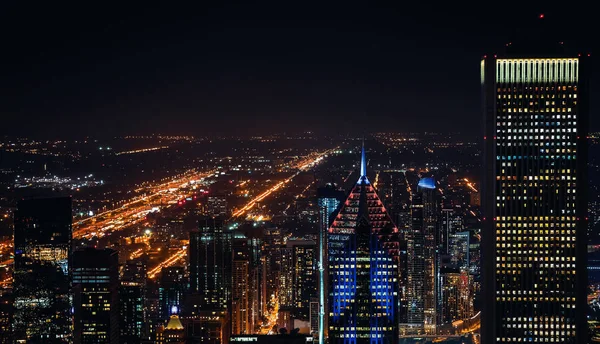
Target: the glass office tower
pixel 534 239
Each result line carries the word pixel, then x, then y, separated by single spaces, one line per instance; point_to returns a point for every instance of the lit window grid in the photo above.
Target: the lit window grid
pixel 344 259
pixel 536 133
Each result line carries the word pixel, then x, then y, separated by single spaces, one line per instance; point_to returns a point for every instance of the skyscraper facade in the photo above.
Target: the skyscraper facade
pixel 241 319
pixel 171 291
pixel 96 296
pixel 304 281
pixel 329 199
pixel 363 269
pixel 422 259
pixel 132 297
pixel 42 279
pixel 535 204
pixel 210 256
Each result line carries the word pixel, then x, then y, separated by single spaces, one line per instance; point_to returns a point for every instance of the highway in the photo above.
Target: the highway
pixel 157 196
pixel 302 165
pixel 134 211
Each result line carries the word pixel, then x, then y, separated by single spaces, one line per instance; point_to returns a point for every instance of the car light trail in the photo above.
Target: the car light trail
pixel 174 258
pixel 470 185
pixel 143 150
pixel 302 165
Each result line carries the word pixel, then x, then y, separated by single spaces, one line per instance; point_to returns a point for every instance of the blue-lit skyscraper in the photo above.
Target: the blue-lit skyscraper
pixel 329 199
pixel 363 269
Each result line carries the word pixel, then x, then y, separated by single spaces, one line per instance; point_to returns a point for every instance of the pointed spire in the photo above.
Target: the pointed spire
pixel 363 166
pixel 363 161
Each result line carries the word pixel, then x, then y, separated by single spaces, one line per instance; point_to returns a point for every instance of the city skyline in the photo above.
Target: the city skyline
pixel 224 173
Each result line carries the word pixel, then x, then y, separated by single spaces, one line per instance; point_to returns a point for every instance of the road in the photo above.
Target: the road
pixel 160 195
pixel 302 165
pixel 156 196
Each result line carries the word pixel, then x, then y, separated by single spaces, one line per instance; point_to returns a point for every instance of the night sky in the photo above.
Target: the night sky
pixel 70 70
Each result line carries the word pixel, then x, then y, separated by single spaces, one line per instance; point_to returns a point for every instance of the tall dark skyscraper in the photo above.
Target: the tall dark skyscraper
pixel 535 204
pixel 132 299
pixel 210 261
pixel 241 319
pixel 422 259
pixel 96 296
pixel 171 291
pixel 42 280
pixel 363 269
pixel 304 281
pixel 329 199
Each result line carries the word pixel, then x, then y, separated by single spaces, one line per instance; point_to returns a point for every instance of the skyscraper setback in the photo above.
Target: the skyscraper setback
pixel 534 239
pixel 42 278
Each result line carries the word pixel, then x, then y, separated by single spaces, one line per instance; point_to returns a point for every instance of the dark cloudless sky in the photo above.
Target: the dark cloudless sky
pixel 223 67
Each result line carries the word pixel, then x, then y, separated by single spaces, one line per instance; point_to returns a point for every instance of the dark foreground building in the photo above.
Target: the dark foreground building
pixel 535 204
pixel 96 296
pixel 42 281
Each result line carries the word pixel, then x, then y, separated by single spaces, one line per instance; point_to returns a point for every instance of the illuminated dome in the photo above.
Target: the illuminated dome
pixel 174 323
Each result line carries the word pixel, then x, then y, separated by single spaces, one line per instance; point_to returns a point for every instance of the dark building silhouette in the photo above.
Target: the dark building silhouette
pixel 206 310
pixel 96 296
pixel 535 198
pixel 42 281
pixel 132 300
pixel 241 317
pixel 210 257
pixel 171 291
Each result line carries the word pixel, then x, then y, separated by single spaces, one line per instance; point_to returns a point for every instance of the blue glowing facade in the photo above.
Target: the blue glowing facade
pixel 427 183
pixel 363 252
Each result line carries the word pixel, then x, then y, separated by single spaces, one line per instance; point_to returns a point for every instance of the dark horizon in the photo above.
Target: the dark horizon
pixel 77 70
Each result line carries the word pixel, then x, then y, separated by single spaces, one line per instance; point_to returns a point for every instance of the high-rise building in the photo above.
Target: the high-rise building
pixel 285 279
pixel 422 259
pixel 171 291
pixel 42 279
pixel 458 249
pixel 96 296
pixel 329 199
pixel 457 295
pixel 534 194
pixel 363 269
pixel 209 255
pixel 272 266
pixel 132 300
pixel 206 310
pixel 304 276
pixel 241 319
